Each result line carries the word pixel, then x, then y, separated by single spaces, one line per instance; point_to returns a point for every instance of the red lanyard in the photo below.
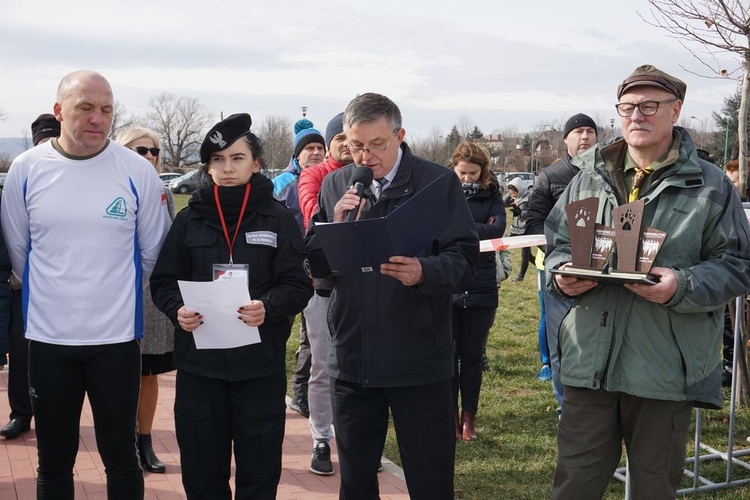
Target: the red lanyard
pixel 224 224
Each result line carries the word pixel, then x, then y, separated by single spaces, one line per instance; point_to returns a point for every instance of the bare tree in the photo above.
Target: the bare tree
pixel 120 120
pixel 431 147
pixel 465 126
pixel 714 26
pixel 2 114
pixel 179 121
pixel 276 134
pixel 26 138
pixel 5 161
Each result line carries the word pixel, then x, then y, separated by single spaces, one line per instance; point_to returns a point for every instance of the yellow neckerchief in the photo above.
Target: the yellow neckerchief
pixel 632 170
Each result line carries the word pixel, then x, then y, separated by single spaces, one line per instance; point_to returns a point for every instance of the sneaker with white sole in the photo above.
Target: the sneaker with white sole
pixel 321 460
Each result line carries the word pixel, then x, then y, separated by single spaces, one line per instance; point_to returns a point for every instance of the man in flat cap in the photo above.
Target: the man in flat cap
pixel 579 134
pixel 635 359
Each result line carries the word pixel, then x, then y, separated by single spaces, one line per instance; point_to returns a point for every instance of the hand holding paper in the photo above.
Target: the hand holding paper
pixel 219 301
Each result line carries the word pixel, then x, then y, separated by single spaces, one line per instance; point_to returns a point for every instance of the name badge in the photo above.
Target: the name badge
pixel 231 272
pixel 266 238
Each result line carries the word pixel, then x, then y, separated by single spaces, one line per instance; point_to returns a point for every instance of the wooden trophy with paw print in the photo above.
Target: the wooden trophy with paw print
pixel 637 245
pixel 592 244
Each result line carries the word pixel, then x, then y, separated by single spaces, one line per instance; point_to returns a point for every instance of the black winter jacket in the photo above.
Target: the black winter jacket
pixel 277 277
pixel 488 212
pixel 549 185
pixel 385 334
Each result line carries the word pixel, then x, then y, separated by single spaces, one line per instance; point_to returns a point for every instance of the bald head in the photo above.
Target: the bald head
pixel 84 107
pixel 71 80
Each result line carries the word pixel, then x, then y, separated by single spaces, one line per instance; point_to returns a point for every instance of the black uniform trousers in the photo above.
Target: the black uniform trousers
pixel 18 371
pixel 211 417
pixel 423 417
pixel 60 376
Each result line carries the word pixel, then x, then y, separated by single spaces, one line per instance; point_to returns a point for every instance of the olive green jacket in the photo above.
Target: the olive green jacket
pixel 615 340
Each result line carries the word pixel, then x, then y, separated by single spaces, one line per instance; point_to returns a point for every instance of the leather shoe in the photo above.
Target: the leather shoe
pixel 14 428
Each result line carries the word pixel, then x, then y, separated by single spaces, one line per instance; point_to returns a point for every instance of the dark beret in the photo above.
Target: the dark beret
pixel 224 134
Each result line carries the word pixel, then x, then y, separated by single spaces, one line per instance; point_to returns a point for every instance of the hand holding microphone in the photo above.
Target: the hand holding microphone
pixel 360 180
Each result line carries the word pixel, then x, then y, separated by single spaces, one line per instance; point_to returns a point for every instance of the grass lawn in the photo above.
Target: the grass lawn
pixel 515 455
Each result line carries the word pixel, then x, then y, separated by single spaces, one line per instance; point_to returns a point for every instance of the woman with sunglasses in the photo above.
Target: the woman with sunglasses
pixel 158 333
pixel 232 399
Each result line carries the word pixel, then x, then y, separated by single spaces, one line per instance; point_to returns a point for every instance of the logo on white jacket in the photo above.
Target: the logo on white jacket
pixel 118 209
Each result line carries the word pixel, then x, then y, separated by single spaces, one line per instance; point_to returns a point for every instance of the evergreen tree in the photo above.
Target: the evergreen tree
pixel 727 124
pixel 475 135
pixel 453 140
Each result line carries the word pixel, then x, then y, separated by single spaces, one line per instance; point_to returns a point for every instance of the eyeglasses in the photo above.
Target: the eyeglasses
pixel 374 150
pixel 142 150
pixel 647 108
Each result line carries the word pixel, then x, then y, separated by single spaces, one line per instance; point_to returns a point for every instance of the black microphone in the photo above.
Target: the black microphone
pixel 361 178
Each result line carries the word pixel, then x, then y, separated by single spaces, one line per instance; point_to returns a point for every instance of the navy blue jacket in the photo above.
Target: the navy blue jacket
pixel 383 333
pixel 488 212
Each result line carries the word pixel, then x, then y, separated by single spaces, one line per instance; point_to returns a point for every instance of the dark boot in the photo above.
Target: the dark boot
pixel 467 419
pixel 149 461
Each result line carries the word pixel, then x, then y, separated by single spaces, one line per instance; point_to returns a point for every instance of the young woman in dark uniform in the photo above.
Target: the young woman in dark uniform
pixel 233 399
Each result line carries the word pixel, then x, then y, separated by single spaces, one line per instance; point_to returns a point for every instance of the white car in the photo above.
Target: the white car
pixel 167 177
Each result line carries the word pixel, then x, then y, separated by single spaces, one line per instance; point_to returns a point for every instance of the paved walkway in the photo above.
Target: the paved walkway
pixel 18 460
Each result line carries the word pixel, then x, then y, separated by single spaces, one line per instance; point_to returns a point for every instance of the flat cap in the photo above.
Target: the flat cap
pixel 650 76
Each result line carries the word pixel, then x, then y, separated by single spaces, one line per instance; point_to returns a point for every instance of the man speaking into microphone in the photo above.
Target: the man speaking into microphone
pixel 391 346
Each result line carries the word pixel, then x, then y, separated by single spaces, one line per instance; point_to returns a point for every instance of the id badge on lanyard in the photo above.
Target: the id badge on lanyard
pixel 231 271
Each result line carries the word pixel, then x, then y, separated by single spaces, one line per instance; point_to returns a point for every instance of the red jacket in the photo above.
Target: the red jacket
pixel 309 185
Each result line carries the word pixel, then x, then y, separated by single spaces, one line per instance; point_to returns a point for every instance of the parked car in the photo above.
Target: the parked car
pixel 167 177
pixel 186 183
pixel 3 175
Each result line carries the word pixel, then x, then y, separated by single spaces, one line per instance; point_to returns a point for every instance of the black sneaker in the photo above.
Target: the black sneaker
pixel 299 405
pixel 321 460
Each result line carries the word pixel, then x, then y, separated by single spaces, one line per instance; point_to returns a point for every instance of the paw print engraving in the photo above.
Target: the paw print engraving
pixel 582 217
pixel 626 220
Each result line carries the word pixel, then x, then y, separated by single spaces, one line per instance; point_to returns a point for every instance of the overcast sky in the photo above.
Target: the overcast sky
pixel 497 64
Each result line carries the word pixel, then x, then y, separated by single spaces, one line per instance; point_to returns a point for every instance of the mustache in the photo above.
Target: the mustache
pixel 639 126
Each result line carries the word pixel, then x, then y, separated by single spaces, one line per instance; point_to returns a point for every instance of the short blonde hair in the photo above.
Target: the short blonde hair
pixel 129 135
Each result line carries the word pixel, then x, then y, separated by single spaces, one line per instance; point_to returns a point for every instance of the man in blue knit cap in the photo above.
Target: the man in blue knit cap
pixel 309 150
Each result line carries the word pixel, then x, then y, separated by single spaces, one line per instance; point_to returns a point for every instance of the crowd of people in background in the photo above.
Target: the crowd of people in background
pixel 404 339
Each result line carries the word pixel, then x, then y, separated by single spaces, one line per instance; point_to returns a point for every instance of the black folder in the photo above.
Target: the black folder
pixel 361 246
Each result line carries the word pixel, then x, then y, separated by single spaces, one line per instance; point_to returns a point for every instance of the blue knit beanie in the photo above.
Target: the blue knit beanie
pixel 301 125
pixel 305 137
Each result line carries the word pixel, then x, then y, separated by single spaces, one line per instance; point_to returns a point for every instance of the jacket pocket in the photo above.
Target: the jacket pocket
pixel 698 337
pixel 204 252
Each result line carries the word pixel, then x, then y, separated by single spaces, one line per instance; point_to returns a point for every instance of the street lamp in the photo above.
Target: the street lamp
pixel 700 132
pixel 726 141
pixel 304 111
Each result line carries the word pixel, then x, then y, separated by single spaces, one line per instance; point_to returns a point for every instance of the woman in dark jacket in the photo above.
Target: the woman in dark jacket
pixel 232 398
pixel 474 308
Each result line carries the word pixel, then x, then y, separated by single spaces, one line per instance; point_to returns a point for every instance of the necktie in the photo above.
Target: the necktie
pixel 379 185
pixel 640 175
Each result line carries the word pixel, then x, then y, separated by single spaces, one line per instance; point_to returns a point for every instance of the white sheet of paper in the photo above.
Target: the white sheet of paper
pixel 218 302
